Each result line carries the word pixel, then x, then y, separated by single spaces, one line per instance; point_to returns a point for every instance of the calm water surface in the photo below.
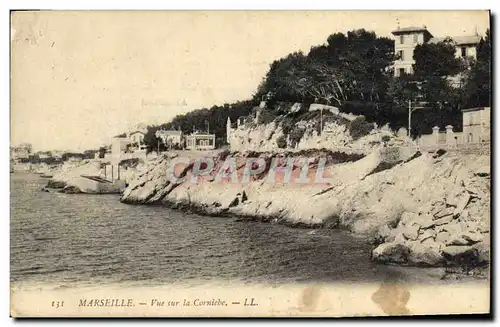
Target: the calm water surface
pixel 76 239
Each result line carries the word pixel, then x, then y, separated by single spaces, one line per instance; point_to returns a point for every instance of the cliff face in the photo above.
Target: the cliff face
pixel 381 196
pixel 334 134
pixel 256 137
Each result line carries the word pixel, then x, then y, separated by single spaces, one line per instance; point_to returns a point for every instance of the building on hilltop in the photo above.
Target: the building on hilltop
pixel 136 140
pixel 171 138
pixel 408 38
pixel 465 46
pixel 200 141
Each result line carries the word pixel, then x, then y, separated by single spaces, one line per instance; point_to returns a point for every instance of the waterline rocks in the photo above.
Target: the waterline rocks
pixel 71 178
pixel 85 185
pixel 391 252
pixel 71 170
pixel 452 230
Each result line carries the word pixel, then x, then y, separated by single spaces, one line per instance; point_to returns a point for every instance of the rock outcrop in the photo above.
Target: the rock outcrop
pixel 85 185
pixel 71 170
pixel 71 178
pixel 254 136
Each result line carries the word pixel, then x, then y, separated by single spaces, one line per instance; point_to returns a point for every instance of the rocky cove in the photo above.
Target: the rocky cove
pixel 416 208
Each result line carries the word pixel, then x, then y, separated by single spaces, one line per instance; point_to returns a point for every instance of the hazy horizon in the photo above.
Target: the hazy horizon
pixel 80 77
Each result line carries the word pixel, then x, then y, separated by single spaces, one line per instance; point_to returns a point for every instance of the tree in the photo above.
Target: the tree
pixel 284 77
pixel 430 87
pixel 436 60
pixel 281 142
pixel 400 91
pixel 151 141
pixel 350 71
pixel 477 91
pixel 102 152
pixel 434 64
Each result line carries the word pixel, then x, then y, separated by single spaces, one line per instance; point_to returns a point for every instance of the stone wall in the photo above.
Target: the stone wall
pixel 447 139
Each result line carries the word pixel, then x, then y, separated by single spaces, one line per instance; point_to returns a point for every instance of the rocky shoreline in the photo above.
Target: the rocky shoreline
pixel 70 178
pixel 418 209
pixel 428 209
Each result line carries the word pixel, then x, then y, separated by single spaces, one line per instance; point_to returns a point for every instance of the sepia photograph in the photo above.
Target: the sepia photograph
pixel 250 163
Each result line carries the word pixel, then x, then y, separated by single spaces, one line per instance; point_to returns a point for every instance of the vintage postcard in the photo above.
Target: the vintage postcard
pixel 250 163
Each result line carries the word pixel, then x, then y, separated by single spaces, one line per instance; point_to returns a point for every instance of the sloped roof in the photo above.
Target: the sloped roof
pixel 458 40
pixel 475 109
pixel 135 132
pixel 410 29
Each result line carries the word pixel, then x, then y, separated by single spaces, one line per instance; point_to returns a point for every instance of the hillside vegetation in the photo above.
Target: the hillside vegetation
pixel 353 72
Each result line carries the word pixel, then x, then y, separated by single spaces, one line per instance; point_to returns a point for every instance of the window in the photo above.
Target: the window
pixel 402 39
pixel 401 54
pixel 401 71
pixel 415 38
pixel 464 51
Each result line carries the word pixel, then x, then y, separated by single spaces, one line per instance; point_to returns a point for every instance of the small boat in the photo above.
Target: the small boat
pixel 46 175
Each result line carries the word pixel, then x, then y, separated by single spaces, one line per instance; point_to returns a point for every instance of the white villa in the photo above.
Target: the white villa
pixel 128 143
pixel 200 141
pixel 408 38
pixel 171 138
pixel 136 139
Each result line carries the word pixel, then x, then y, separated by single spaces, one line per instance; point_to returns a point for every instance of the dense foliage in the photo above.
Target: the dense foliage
pixel 351 72
pixel 477 91
pixel 359 127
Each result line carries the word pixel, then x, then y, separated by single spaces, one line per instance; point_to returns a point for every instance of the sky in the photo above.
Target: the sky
pixel 80 77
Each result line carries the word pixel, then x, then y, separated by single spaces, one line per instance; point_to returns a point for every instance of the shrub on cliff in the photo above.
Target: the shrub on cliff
pixel 281 142
pixel 359 127
pixel 266 117
pixel 295 135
